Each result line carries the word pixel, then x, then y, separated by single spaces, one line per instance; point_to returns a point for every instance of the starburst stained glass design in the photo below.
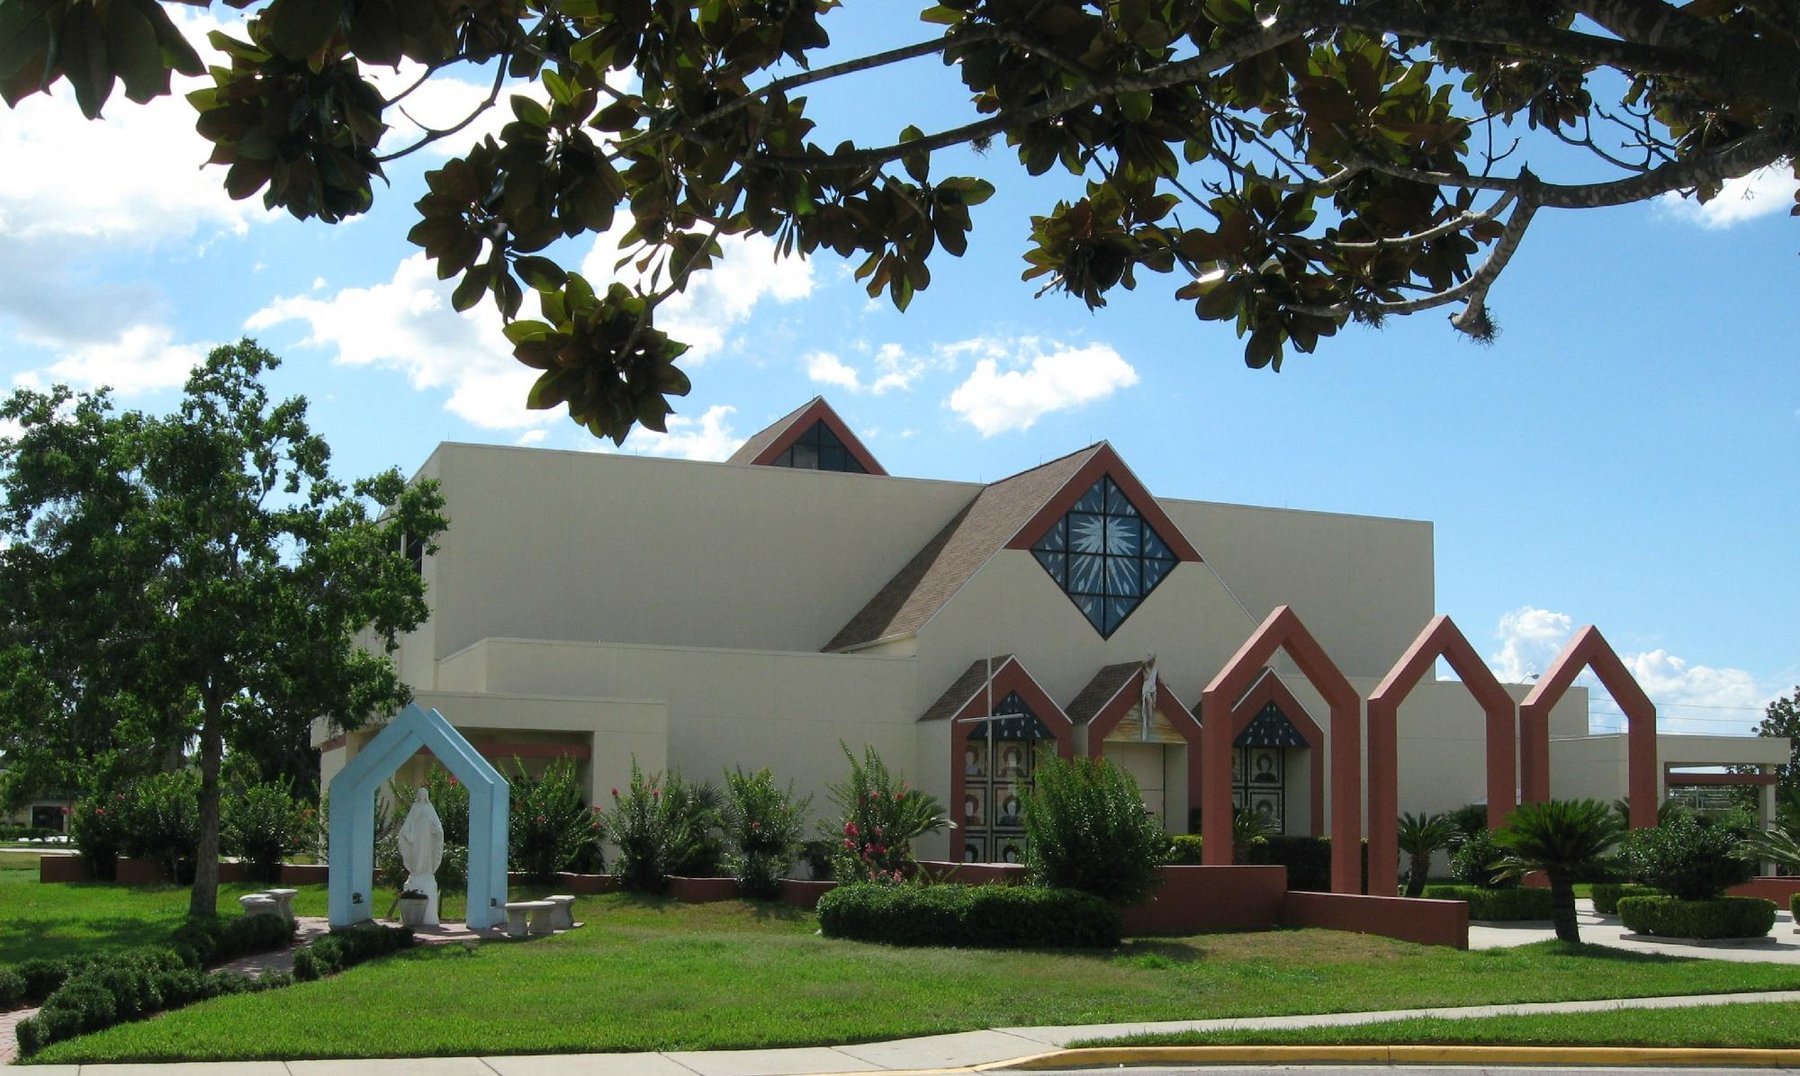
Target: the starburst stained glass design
pixel 1104 555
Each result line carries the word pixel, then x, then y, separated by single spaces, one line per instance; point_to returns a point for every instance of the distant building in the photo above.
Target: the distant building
pixel 765 610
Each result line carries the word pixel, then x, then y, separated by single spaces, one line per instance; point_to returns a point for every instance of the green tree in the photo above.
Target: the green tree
pixel 182 578
pixel 1560 838
pixel 1086 828
pixel 1419 836
pixel 1782 718
pixel 1292 165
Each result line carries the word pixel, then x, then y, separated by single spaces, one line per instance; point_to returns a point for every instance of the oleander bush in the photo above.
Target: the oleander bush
pixel 1496 905
pixel 1086 828
pixel 552 829
pixel 879 816
pixel 1607 895
pixel 763 830
pixel 1473 862
pixel 263 825
pixel 1672 917
pixel 974 917
pixel 347 948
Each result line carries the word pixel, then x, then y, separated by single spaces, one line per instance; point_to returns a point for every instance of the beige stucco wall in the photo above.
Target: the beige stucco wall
pixel 1363 585
pixel 584 546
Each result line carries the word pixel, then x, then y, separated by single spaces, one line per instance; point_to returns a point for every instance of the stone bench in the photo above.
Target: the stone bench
pixel 259 904
pixel 539 911
pixel 563 915
pixel 284 901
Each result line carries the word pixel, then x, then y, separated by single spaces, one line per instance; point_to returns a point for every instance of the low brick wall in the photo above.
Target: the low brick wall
pixel 702 890
pixel 583 885
pixel 802 893
pixel 304 874
pixel 1428 922
pixel 1192 899
pixel 1778 888
pixel 139 871
pixel 65 869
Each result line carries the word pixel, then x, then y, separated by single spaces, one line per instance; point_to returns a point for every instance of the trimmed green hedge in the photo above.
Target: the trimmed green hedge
pixel 1670 917
pixel 1607 894
pixel 1186 849
pixel 197 941
pixel 976 917
pixel 128 986
pixel 1496 905
pixel 347 948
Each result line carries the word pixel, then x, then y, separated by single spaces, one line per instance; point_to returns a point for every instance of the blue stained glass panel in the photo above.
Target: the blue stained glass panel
pixel 1087 574
pixel 1056 538
pixel 1094 500
pixel 1123 535
pixel 1153 573
pixel 1117 504
pixel 1113 558
pixel 1056 563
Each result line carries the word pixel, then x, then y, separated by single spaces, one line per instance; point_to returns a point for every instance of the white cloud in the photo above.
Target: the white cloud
pixel 407 324
pixel 828 369
pixel 440 103
pixel 1035 383
pixel 1530 640
pixel 716 300
pixel 1689 698
pixel 141 359
pixel 1770 190
pixel 708 437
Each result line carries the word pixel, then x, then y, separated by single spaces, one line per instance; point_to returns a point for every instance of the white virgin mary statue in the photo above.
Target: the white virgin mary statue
pixel 421 850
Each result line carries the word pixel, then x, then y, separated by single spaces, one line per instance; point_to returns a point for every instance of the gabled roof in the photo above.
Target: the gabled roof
pixel 963 691
pixel 770 442
pixel 1106 684
pixel 1009 514
pixel 957 552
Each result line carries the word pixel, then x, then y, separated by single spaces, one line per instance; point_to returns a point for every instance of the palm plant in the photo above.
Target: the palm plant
pixel 1781 844
pixel 1560 838
pixel 1420 835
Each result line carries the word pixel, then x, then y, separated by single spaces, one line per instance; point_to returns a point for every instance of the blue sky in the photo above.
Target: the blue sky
pixel 1624 455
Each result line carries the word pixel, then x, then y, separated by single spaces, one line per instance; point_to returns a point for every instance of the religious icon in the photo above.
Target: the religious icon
pixel 975 759
pixel 1265 766
pixel 1011 853
pixel 972 851
pixel 1010 807
pixel 1266 805
pixel 1012 761
pixel 974 811
pixel 1237 765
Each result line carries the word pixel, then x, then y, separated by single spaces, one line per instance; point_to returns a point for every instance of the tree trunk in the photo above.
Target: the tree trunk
pixel 204 900
pixel 1562 907
pixel 1418 869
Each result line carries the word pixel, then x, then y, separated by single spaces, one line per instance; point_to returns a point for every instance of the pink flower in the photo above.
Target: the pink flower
pixel 849 829
pixel 849 845
pixel 615 793
pixel 453 780
pixel 756 827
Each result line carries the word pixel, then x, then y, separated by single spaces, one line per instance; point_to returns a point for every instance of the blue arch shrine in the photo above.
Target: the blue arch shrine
pixel 352 840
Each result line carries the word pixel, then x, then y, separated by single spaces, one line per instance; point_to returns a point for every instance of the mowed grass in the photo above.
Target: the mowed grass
pixel 1752 1025
pixel 656 975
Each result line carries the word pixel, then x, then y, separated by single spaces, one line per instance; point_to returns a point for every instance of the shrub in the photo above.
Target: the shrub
pixel 986 916
pixel 762 830
pixel 264 825
pixel 208 940
pixel 1185 849
pixel 551 829
pixel 1307 859
pixel 1468 819
pixel 1472 862
pixel 162 821
pixel 1086 829
pixel 1419 835
pixel 1497 905
pixel 1689 856
pixel 692 819
pixel 1607 894
pixel 97 826
pixel 817 853
pixel 1672 917
pixel 42 976
pixel 880 817
pixel 635 824
pixel 342 949
pixel 12 988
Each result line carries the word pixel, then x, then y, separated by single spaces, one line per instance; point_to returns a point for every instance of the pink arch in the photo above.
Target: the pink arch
pixel 1440 639
pixel 1283 631
pixel 1590 650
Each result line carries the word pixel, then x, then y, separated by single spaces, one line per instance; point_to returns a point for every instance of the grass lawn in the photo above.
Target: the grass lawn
pixel 647 974
pixel 1754 1026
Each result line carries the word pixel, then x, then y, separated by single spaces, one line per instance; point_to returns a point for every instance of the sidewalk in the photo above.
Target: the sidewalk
pixel 1020 1047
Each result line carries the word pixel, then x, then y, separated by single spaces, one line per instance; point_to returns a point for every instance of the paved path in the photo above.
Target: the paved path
pixel 960 1052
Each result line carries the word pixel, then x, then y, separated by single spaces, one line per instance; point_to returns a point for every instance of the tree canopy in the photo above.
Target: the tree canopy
pixel 196 578
pixel 1291 165
pixel 1782 718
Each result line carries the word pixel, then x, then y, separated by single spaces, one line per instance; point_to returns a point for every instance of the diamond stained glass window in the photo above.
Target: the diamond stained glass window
pixel 1104 556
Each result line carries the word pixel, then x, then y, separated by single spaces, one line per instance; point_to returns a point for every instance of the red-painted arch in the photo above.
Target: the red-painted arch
pixel 1269 689
pixel 1282 631
pixel 1102 724
pixel 1590 650
pixel 1008 675
pixel 1440 639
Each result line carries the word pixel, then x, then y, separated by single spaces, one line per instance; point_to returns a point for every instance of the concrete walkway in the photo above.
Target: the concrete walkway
pixel 999 1048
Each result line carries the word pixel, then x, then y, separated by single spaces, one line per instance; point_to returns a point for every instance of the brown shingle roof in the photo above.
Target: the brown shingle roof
pixel 934 575
pixel 965 688
pixel 1100 690
pixel 769 434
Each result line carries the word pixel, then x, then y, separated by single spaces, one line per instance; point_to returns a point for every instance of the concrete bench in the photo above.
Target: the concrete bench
pixel 284 901
pixel 538 910
pixel 259 904
pixel 563 915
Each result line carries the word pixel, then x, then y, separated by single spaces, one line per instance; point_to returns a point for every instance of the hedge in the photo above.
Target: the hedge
pixel 347 948
pixel 198 941
pixel 1496 905
pixel 128 986
pixel 1670 917
pixel 975 917
pixel 1607 894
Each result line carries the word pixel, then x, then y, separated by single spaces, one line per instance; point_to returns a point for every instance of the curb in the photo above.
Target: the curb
pixel 1396 1055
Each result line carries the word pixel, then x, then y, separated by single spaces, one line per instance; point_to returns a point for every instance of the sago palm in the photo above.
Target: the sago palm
pixel 1559 837
pixel 1419 836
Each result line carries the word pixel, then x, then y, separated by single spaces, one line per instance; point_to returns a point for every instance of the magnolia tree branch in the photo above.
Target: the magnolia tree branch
pixel 433 134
